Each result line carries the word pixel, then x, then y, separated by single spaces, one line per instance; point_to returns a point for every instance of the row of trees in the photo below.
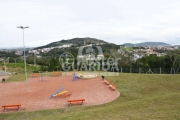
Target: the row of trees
pixel 170 60
pixel 51 61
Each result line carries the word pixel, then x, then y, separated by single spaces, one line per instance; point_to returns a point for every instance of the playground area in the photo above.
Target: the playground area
pixel 94 91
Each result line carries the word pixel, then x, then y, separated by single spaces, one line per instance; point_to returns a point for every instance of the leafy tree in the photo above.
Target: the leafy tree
pixel 174 57
pixel 151 61
pixel 54 64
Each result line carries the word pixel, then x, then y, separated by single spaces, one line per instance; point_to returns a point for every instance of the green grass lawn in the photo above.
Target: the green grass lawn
pixel 143 97
pixel 19 67
pixel 16 78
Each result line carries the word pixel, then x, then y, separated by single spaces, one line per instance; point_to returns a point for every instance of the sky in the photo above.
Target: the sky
pixel 114 21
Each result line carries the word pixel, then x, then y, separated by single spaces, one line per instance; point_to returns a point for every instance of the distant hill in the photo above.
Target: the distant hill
pixel 74 41
pixel 15 48
pixel 128 44
pixel 147 44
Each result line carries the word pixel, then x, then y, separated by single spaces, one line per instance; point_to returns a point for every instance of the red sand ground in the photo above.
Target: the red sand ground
pixel 94 91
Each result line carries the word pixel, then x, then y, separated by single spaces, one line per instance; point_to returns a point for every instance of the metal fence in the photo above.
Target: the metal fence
pixel 148 70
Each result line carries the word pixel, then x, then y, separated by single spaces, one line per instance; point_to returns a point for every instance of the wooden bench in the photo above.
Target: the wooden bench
pixel 35 75
pixel 55 73
pixel 107 82
pixel 6 107
pixel 78 101
pixel 112 86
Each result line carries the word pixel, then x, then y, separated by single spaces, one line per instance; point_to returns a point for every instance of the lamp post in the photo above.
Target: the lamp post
pixel 21 27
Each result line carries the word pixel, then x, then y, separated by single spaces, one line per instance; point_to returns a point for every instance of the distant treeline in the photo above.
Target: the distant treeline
pixel 50 61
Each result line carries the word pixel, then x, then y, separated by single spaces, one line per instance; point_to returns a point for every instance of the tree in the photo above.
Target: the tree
pixel 125 57
pixel 174 57
pixel 151 61
pixel 53 64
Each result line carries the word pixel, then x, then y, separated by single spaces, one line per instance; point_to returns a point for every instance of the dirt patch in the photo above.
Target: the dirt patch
pixel 94 91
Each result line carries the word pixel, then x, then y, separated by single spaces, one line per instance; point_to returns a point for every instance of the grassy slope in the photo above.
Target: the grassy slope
pixel 19 67
pixel 142 97
pixel 16 78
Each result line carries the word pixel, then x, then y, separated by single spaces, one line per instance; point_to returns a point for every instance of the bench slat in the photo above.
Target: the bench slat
pixel 76 99
pixel 11 105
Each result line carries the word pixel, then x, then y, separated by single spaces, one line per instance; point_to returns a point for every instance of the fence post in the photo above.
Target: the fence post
pixel 121 70
pixel 139 70
pixel 171 70
pixel 130 70
pixel 160 70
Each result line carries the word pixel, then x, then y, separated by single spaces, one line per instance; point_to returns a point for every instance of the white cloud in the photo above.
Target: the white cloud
pixel 114 21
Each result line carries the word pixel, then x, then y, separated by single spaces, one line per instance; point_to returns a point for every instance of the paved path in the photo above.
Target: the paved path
pixel 2 73
pixel 94 91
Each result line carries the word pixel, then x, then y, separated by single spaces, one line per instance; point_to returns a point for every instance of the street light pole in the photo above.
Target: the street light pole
pixel 21 27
